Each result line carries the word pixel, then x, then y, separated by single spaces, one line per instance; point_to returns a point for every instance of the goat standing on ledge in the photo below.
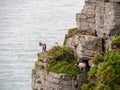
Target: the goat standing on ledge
pixel 82 66
pixel 43 45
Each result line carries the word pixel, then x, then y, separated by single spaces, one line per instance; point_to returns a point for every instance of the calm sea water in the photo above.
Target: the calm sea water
pixel 23 23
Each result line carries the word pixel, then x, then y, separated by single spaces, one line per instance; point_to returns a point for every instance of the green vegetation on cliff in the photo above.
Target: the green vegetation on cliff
pixel 71 32
pixel 116 43
pixel 74 31
pixel 63 61
pixel 116 39
pixel 107 75
pixel 64 67
pixel 97 59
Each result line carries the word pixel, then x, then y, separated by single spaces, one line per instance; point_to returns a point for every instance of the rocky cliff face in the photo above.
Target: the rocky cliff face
pixel 42 80
pixel 100 17
pixel 97 24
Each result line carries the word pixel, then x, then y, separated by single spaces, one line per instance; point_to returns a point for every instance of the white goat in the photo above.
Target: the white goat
pixel 82 66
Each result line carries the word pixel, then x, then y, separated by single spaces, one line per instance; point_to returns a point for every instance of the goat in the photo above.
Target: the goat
pixel 82 66
pixel 43 45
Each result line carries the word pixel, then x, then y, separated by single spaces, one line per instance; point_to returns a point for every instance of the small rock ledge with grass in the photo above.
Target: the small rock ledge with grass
pixel 95 42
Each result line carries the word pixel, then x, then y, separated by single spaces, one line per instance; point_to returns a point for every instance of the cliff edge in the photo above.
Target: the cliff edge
pixel 97 33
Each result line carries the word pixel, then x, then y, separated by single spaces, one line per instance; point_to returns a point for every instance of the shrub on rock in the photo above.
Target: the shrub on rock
pixel 107 75
pixel 63 61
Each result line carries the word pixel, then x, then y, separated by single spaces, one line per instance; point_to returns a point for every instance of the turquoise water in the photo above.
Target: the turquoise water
pixel 23 23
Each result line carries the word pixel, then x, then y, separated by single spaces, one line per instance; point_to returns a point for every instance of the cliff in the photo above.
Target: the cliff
pixel 56 70
pixel 97 32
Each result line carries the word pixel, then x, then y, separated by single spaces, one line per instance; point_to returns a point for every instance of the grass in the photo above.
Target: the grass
pixel 97 59
pixel 116 39
pixel 63 61
pixel 93 71
pixel 71 32
pixel 74 31
pixel 116 43
pixel 62 54
pixel 107 75
pixel 64 67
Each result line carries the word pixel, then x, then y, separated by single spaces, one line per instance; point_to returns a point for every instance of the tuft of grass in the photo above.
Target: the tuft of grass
pixel 103 86
pixel 64 67
pixel 62 54
pixel 116 43
pixel 92 71
pixel 116 39
pixel 74 31
pixel 71 32
pixel 89 86
pixel 63 61
pixel 97 59
pixel 107 75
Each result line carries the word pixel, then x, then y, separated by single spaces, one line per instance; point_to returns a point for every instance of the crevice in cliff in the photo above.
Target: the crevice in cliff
pixel 103 45
pixel 87 65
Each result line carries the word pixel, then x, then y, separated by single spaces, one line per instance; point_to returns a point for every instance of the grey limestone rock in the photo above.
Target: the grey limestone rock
pixel 57 82
pixel 108 19
pixel 86 19
pixel 101 16
pixel 87 46
pixel 114 1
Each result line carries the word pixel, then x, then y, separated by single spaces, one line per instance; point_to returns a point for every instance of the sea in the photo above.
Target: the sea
pixel 25 23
